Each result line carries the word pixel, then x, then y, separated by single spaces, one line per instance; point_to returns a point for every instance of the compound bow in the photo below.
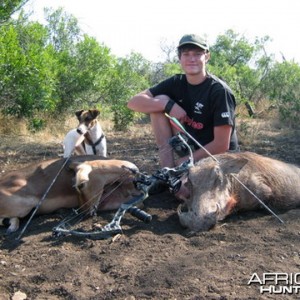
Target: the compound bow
pixel 143 183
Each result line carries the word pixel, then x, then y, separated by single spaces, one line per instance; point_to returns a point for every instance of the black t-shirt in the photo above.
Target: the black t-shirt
pixel 208 104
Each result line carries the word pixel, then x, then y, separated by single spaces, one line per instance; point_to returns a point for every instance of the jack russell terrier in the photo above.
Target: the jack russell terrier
pixel 88 137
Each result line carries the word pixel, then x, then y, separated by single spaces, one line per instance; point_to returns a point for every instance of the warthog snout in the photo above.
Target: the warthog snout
pixel 194 221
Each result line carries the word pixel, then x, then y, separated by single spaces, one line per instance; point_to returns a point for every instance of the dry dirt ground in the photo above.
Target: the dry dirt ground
pixel 159 260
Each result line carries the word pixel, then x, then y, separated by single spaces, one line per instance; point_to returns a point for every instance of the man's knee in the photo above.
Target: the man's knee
pixel 161 127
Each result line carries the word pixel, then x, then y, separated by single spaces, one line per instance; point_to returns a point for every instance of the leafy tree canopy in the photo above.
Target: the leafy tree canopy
pixel 9 7
pixel 52 68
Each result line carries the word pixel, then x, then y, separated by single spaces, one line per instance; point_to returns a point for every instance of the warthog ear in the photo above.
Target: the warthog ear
pixel 94 112
pixel 233 165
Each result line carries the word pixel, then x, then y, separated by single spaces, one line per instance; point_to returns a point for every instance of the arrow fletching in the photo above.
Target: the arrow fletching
pixel 175 123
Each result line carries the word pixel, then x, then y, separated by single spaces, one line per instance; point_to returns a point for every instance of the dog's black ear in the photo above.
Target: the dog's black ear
pixel 94 112
pixel 78 113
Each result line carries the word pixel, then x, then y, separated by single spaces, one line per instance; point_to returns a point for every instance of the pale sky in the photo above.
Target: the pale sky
pixel 141 26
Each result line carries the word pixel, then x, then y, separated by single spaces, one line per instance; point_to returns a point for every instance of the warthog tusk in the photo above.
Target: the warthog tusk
pixel 179 211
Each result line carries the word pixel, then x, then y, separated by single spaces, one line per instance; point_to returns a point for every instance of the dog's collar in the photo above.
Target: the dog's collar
pixel 89 142
pixel 99 140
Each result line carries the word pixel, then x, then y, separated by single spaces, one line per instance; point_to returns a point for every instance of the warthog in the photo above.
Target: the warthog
pixel 215 194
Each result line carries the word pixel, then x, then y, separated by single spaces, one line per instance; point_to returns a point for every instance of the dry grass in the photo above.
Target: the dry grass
pixel 250 131
pixel 22 147
pixel 55 130
pixel 254 133
pixel 12 126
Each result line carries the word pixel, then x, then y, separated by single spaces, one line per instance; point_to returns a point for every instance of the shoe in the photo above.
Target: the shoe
pixel 158 187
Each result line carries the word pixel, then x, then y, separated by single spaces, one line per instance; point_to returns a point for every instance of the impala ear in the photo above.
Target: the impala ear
pixel 73 165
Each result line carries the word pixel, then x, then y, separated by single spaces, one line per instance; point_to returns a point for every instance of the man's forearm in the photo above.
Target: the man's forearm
pixel 146 104
pixel 212 147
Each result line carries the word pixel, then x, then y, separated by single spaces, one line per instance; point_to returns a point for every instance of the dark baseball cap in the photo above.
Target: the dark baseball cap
pixel 194 40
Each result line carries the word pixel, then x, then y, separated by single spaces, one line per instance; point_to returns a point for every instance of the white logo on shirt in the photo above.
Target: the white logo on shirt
pixel 225 115
pixel 198 107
